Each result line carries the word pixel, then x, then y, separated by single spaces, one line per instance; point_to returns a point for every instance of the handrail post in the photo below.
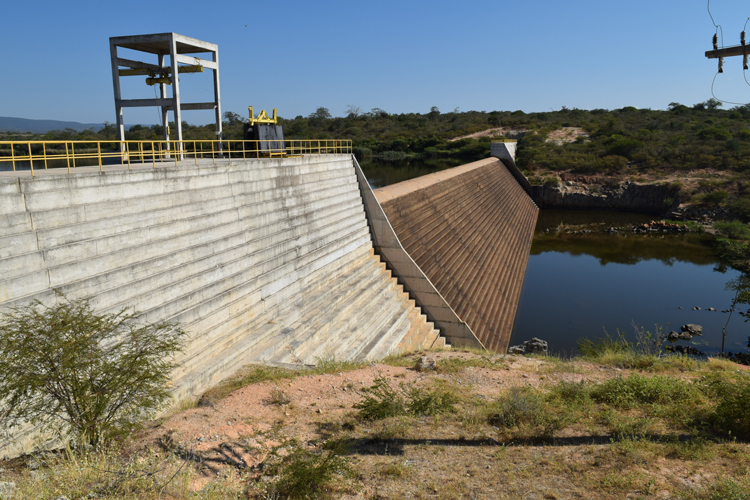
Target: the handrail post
pixel 99 152
pixel 73 153
pixel 153 154
pixel 44 151
pixel 31 161
pixel 13 156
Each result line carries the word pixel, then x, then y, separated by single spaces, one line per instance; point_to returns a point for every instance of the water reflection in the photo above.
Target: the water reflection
pixel 581 285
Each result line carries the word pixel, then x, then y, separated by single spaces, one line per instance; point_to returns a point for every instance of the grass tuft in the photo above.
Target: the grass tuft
pixel 305 474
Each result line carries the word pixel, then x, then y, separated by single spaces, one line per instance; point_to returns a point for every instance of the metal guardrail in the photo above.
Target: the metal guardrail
pixel 30 155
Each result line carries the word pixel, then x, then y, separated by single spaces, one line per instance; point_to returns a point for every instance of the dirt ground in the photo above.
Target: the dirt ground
pixel 433 457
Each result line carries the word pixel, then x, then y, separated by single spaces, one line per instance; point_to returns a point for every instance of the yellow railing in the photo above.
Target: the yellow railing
pixel 21 156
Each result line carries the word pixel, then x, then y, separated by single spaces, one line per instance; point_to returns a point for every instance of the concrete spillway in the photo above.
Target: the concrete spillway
pixel 469 229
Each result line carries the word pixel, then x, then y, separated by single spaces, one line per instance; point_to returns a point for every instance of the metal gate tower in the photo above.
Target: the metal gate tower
pixel 175 46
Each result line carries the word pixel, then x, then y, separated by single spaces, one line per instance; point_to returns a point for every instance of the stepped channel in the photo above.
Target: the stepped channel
pixel 469 229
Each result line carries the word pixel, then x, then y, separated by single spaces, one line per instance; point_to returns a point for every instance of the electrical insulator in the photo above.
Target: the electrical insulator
pixel 716 41
pixel 721 65
pixel 742 38
pixel 744 61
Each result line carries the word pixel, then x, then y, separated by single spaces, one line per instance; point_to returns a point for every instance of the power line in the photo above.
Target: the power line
pixel 717 26
pixel 722 100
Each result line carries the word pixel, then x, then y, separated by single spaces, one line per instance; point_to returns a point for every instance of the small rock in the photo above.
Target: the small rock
pixel 680 307
pixel 206 402
pixel 696 308
pixel 533 346
pixel 525 375
pixel 425 363
pixel 711 309
pixel 692 329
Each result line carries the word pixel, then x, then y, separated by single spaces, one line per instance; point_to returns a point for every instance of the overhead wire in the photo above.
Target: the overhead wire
pixel 722 100
pixel 717 26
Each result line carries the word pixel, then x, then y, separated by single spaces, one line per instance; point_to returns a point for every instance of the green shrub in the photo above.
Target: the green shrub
pixel 713 198
pixel 427 402
pixel 89 376
pixel 741 208
pixel 525 408
pixel 572 392
pixel 714 133
pixel 624 427
pixel 383 401
pixel 735 230
pixel 603 345
pixel 517 406
pixel 637 390
pixel 551 181
pixel 730 415
pixel 308 475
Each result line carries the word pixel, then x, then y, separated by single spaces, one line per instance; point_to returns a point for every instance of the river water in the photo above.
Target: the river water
pixel 585 285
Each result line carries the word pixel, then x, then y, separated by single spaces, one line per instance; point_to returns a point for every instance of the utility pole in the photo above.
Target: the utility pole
pixel 735 50
pixel 720 53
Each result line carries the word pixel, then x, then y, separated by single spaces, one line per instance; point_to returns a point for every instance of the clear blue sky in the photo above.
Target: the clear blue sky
pixel 401 56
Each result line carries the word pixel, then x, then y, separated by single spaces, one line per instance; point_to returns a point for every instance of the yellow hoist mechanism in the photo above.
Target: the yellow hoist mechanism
pixel 164 74
pixel 262 117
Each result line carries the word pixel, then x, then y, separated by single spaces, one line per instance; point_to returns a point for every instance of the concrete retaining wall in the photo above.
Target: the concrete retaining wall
pixel 261 260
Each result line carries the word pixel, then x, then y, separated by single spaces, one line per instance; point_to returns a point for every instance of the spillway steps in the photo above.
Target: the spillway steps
pixel 469 230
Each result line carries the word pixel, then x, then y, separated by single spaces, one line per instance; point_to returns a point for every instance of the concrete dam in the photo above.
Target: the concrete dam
pixel 278 260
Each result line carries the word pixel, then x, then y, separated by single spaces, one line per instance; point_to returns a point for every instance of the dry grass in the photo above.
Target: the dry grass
pixel 479 426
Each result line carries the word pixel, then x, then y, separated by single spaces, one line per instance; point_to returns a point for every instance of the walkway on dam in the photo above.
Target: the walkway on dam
pixel 122 167
pixel 469 229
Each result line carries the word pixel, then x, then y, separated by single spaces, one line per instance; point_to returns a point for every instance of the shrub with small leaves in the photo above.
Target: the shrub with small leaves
pixel 306 474
pixel 383 401
pixel 78 373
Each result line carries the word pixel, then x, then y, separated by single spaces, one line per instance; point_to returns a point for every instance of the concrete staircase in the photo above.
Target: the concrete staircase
pixel 261 261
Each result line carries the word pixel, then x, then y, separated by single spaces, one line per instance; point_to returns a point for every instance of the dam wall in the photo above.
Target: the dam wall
pixel 469 229
pixel 267 260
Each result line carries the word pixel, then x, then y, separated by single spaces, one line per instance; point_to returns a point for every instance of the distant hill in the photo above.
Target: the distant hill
pixel 8 124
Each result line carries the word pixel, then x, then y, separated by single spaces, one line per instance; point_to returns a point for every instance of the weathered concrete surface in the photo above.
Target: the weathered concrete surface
pixel 469 230
pixel 260 260
pixel 419 287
